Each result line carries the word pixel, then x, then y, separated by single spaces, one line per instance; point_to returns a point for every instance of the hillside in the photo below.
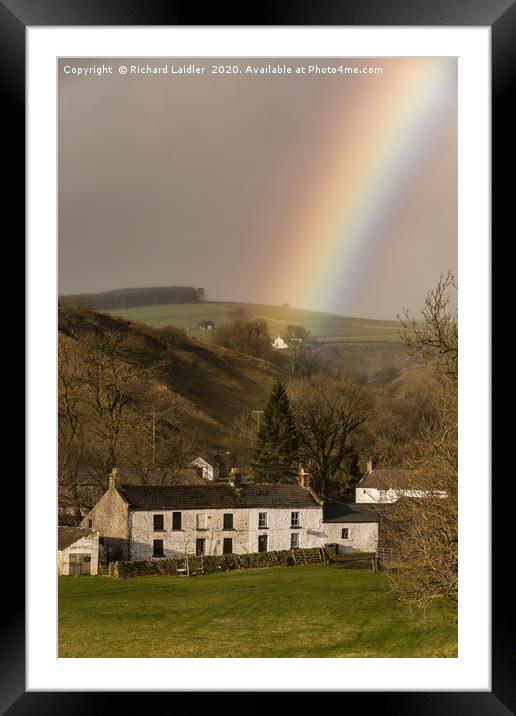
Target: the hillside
pixel 325 327
pixel 207 384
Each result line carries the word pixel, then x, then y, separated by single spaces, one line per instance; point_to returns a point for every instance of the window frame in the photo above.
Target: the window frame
pixel 224 516
pixel 180 528
pixel 199 521
pixel 154 548
pixel 158 529
pixel 224 541
pixel 297 524
pixel 292 535
pixel 346 530
pixel 265 525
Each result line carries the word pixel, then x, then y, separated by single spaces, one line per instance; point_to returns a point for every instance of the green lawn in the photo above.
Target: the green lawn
pixel 279 612
pixel 325 326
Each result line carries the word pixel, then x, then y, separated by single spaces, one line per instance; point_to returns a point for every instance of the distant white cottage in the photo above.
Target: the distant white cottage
pixel 279 344
pixel 207 466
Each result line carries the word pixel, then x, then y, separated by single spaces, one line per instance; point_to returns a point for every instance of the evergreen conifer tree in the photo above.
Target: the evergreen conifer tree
pixel 275 457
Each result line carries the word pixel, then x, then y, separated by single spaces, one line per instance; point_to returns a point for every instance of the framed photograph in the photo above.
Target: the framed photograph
pixel 251 243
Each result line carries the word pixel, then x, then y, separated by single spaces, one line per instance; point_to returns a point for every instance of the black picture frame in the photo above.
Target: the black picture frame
pixel 500 16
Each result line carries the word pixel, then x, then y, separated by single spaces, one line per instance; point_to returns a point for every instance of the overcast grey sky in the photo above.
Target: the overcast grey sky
pixel 204 179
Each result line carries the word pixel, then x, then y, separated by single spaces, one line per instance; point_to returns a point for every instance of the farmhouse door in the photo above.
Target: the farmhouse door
pixel 262 543
pixel 78 564
pixel 74 565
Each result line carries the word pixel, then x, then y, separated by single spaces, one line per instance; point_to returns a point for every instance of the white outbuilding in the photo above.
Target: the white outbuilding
pixel 78 551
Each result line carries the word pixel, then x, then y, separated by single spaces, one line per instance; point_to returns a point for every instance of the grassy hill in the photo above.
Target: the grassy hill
pixel 208 385
pixel 323 326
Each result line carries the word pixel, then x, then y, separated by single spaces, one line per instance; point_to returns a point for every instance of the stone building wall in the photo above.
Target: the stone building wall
pixel 245 531
pixel 362 536
pixel 110 518
pixel 176 542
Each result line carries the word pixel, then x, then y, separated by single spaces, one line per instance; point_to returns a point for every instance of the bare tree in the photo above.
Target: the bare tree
pixel 245 336
pixel 241 439
pixel 328 415
pixel 115 387
pixel 114 411
pixel 435 338
pixel 423 528
pixel 301 358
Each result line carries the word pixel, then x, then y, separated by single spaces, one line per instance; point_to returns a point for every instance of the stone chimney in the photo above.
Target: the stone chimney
pixel 113 478
pixel 303 477
pixel 370 465
pixel 235 476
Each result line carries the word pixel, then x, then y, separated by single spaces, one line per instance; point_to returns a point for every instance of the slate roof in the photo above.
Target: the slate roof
pixel 385 479
pixel 182 476
pixel 67 536
pixel 349 513
pixel 214 496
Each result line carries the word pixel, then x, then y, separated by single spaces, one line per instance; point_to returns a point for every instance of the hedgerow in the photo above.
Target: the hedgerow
pixel 210 563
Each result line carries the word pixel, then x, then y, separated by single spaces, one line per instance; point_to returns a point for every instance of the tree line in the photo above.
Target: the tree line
pixel 131 297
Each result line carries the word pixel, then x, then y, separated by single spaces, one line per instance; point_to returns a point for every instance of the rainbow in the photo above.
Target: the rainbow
pixel 355 176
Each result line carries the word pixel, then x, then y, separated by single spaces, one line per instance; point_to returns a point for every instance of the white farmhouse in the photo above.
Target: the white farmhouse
pixel 153 521
pixel 78 551
pixel 170 521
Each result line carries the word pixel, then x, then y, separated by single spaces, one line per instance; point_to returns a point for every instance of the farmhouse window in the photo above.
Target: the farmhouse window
pixel 200 545
pixel 157 550
pixel 262 520
pixel 202 522
pixel 345 533
pixel 294 519
pixel 228 521
pixel 158 523
pixel 294 540
pixel 227 545
pixel 90 523
pixel 176 520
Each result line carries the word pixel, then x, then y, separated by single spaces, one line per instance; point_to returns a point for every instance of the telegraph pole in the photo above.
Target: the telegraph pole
pixel 153 437
pixel 257 416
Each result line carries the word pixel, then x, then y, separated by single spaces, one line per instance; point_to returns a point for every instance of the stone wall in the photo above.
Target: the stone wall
pixel 216 563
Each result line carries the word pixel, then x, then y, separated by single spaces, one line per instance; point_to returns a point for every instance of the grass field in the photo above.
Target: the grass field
pixel 325 326
pixel 279 612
